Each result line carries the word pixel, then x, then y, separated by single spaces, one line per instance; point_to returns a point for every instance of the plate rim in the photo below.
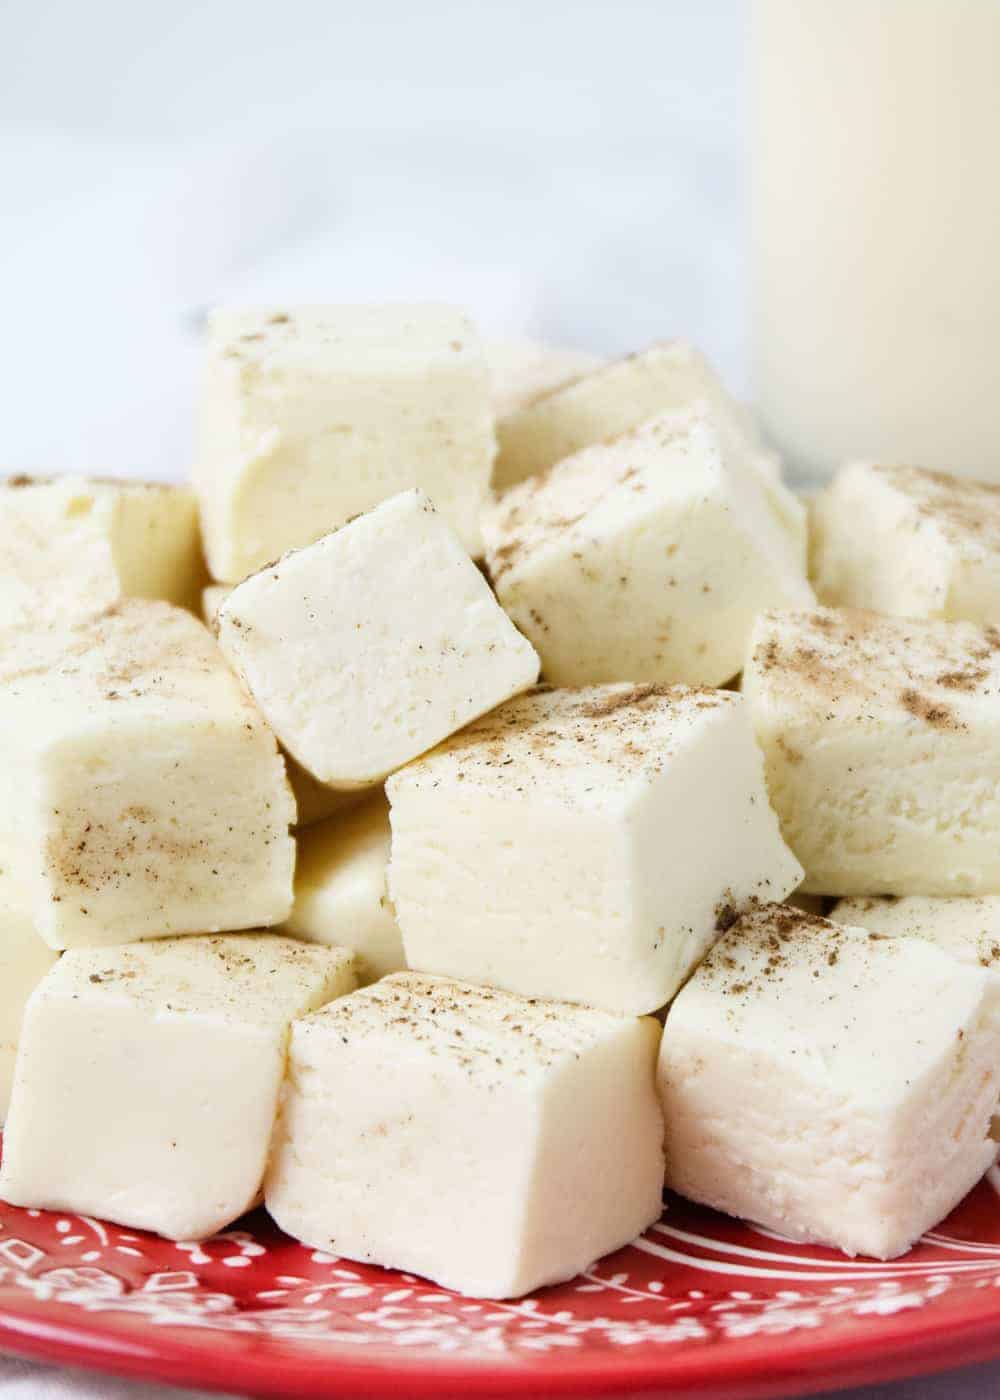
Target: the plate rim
pixel 756 1368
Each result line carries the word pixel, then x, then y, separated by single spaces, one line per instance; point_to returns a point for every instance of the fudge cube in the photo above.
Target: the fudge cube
pixel 373 644
pixel 311 415
pixel 523 370
pixel 586 844
pixel 500 1144
pixel 909 542
pixel 147 1079
pixel 964 927
pixel 645 558
pixel 141 794
pixel 72 545
pixel 881 738
pixel 667 378
pixel 313 801
pixel 341 892
pixel 24 960
pixel 828 1084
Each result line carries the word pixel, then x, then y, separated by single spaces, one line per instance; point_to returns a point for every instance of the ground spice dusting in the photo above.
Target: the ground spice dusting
pixel 793 755
pixel 575 745
pixel 938 716
pixel 481 1030
pixel 963 680
pixel 726 914
pixel 758 947
pixel 597 709
pixel 965 512
pixel 854 661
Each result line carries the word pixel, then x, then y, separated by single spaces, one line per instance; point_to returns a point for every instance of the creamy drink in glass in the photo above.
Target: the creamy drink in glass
pixel 875 214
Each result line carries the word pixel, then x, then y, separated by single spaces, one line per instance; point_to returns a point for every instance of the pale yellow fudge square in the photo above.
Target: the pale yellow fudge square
pixel 833 1086
pixel 647 557
pixel 148 1076
pixel 524 370
pixel 500 1143
pixel 141 793
pixel 71 545
pixel 909 542
pixel 881 738
pixel 368 647
pixel 669 377
pixel 312 414
pixel 341 887
pixel 24 960
pixel 585 844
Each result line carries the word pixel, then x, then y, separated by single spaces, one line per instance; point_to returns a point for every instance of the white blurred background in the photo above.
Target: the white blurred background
pixel 568 170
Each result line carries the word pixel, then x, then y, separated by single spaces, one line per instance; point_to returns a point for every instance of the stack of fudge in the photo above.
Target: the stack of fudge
pixel 330 904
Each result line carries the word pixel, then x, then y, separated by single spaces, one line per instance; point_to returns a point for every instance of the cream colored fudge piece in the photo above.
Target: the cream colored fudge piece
pixel 964 927
pixel 645 558
pixel 831 1085
pixel 212 598
pixel 523 370
pixel 24 960
pixel 71 545
pixel 311 415
pixel 341 893
pixel 314 801
pixel 500 1144
pixel 141 794
pixel 669 377
pixel 909 542
pixel 147 1079
pixel 881 738
pixel 371 645
pixel 585 844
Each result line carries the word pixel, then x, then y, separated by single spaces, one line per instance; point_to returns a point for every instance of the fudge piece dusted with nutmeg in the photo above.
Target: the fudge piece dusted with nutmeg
pixel 523 370
pixel 645 558
pixel 312 414
pixel 909 542
pixel 24 960
pixel 500 1144
pixel 964 927
pixel 829 1084
pixel 585 844
pixel 669 377
pixel 341 892
pixel 371 645
pixel 71 545
pixel 314 801
pixel 881 738
pixel 160 1063
pixel 141 793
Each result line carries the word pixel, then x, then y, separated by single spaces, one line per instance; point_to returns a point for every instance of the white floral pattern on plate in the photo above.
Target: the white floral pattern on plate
pixel 693 1279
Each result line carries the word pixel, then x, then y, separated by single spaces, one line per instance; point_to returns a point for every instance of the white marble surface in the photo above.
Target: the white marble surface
pixel 569 171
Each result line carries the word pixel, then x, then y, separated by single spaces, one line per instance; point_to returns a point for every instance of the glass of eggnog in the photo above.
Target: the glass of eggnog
pixel 875 218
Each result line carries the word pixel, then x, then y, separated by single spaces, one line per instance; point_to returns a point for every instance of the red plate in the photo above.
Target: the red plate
pixel 701 1306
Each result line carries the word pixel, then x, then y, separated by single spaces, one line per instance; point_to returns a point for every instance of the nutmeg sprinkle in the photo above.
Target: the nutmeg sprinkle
pixel 852 665
pixel 488 1034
